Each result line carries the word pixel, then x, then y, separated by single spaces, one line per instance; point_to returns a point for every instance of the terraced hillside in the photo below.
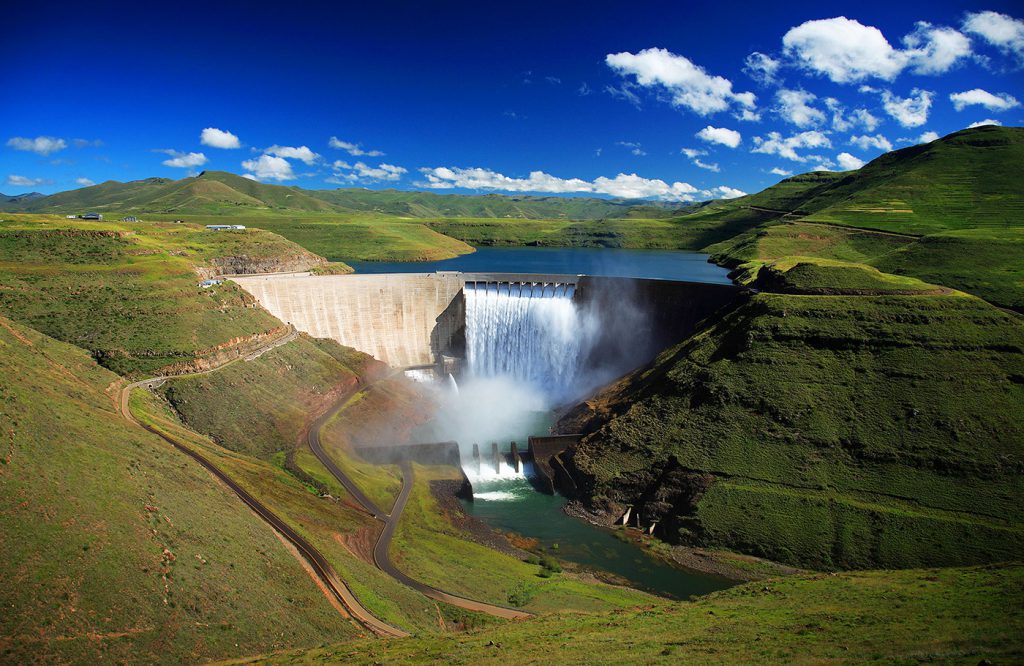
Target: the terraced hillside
pixel 841 418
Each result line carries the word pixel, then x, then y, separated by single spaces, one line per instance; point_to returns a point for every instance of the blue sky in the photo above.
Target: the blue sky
pixel 675 101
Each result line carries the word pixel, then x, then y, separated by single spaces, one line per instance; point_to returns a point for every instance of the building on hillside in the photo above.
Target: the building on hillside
pixel 71 217
pixel 206 284
pixel 225 227
pixel 91 216
pixel 130 218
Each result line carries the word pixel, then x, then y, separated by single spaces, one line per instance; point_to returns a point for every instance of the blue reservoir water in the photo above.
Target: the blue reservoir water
pixel 662 264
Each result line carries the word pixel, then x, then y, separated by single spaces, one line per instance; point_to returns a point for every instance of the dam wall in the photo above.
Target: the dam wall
pixel 402 319
pixel 419 319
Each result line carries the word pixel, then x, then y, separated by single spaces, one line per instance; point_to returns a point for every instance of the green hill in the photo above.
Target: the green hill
pixel 840 418
pixel 218 192
pixel 953 616
pixel 118 548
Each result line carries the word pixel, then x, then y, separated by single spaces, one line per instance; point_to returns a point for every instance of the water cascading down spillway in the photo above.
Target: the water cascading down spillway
pixel 530 334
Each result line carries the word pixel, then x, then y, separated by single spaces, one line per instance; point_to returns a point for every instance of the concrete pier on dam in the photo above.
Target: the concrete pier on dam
pixel 418 320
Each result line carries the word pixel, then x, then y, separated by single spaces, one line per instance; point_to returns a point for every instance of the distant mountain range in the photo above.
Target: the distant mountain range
pixel 219 192
pixel 17 198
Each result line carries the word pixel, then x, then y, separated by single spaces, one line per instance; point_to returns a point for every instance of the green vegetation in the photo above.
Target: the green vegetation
pixel 129 293
pixel 118 548
pixel 950 616
pixel 825 431
pixel 430 549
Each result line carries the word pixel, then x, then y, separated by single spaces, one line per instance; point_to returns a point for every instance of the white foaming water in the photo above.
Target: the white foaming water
pixel 528 333
pixel 498 496
pixel 488 474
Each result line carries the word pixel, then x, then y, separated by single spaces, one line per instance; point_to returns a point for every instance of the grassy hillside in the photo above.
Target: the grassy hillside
pixel 130 294
pixel 949 212
pixel 830 431
pixel 952 616
pixel 109 550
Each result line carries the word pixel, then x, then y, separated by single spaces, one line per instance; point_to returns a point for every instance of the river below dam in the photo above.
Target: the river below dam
pixel 523 360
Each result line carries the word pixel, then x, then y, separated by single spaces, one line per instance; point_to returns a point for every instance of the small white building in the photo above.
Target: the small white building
pixel 225 227
pixel 206 284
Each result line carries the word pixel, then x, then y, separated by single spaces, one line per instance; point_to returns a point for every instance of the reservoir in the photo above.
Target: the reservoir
pixel 658 264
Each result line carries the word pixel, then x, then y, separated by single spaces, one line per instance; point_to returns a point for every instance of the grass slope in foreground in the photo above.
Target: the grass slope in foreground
pixel 116 547
pixel 828 431
pixel 949 616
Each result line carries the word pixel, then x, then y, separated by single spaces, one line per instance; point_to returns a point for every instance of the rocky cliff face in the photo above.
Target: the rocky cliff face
pixel 246 264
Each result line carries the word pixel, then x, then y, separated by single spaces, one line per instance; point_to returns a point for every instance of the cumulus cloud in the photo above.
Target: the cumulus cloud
pixel 353 149
pixel 41 145
pixel 909 111
pixel 780 172
pixel 982 123
pixel 634 148
pixel 726 192
pixel 977 96
pixel 84 182
pixel 846 51
pixel 362 172
pixel 217 138
pixel 747 115
pixel 1004 32
pixel 627 186
pixel 928 137
pixel 761 67
pixel 14 180
pixel 688 84
pixel 183 160
pixel 268 167
pixel 794 107
pixel 843 121
pixel 776 144
pixel 865 142
pixel 296 153
pixel 848 162
pixel 723 135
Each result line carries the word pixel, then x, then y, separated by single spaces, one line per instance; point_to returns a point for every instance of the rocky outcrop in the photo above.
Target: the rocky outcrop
pixel 246 264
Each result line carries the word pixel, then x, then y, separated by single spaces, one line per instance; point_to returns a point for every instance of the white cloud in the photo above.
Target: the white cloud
pixel 793 107
pixel 706 165
pixel 775 144
pixel 928 137
pixel 353 149
pixel 216 138
pixel 84 182
pixel 866 142
pixel 982 123
pixel 747 115
pixel 628 186
pixel 761 67
pixel 934 50
pixel 999 30
pixel 846 51
pixel 14 180
pixel 268 167
pixel 634 148
pixel 848 162
pixel 296 153
pixel 692 153
pixel 87 143
pixel 997 102
pixel 360 171
pixel 727 192
pixel 910 111
pixel 41 145
pixel 689 85
pixel 722 135
pixel 841 122
pixel 183 160
pixel 780 172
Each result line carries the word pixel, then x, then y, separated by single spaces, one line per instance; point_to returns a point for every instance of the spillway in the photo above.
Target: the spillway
pixel 532 333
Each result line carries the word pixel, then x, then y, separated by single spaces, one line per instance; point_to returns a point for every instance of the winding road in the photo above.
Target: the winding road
pixel 381 549
pixel 319 564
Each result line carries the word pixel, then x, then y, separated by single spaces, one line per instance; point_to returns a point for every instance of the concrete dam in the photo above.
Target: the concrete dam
pixel 419 320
